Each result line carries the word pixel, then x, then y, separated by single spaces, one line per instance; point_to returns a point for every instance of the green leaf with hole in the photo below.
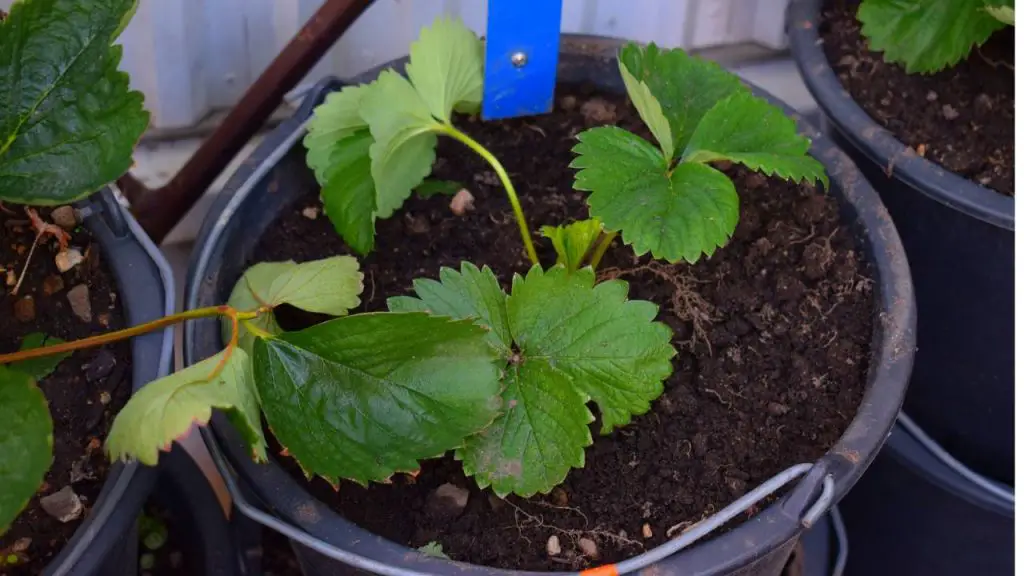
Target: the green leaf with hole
pixel 571 342
pixel 26 442
pixel 675 216
pixel 165 410
pixel 39 368
pixel 327 286
pixel 572 242
pixel 927 35
pixel 364 396
pixel 746 129
pixel 68 120
pixel 446 64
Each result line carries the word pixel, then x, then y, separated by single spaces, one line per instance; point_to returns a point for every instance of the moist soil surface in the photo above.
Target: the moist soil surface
pixel 773 337
pixel 960 118
pixel 84 393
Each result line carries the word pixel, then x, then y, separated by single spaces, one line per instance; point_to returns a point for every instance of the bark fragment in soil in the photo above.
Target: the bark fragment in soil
pixel 80 416
pixel 960 118
pixel 773 335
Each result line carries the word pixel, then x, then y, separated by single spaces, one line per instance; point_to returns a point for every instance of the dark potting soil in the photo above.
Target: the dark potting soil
pixel 961 118
pixel 84 393
pixel 278 558
pixel 773 336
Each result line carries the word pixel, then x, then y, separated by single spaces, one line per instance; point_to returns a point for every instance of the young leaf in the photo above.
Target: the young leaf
pixel 39 368
pixel 746 129
pixel 1003 13
pixel 650 112
pixel 926 35
pixel 68 121
pixel 572 242
pixel 333 121
pixel 162 411
pixel 446 64
pixel 433 549
pixel 678 215
pixel 572 342
pixel 26 442
pixel 686 87
pixel 327 286
pixel 365 396
pixel 434 187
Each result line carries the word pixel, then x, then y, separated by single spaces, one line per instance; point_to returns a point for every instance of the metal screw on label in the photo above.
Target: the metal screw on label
pixel 519 59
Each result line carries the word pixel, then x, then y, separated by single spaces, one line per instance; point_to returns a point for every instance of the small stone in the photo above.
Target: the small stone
pixel 447 501
pixel 648 532
pixel 64 216
pixel 68 259
pixel 777 409
pixel 488 178
pixel 462 202
pixel 21 545
pixel 589 548
pixel 104 397
pixel 78 297
pixel 64 505
pixel 311 212
pixel 52 284
pixel 568 103
pixel 554 546
pixel 25 309
pixel 949 113
pixel 931 96
pixel 104 320
pixel 599 111
pixel 12 278
pixel 847 61
pixel 559 497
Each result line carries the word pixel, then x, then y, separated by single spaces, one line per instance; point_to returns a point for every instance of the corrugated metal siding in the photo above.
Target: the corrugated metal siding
pixel 190 56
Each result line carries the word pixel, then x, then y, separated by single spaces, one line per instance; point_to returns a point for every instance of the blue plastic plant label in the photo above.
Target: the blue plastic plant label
pixel 521 57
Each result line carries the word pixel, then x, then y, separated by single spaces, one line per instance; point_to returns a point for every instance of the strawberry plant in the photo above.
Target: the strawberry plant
pixel 930 35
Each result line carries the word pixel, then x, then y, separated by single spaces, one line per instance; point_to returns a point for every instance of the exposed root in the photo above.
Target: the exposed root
pixel 44 228
pixel 537 522
pixel 687 304
pixel 24 269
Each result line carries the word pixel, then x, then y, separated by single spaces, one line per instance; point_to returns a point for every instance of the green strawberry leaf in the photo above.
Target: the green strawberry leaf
pixel 686 87
pixel 926 35
pixel 572 242
pixel 68 121
pixel 26 442
pixel 327 286
pixel 438 187
pixel 164 410
pixel 446 64
pixel 39 368
pixel 650 112
pixel 678 215
pixel 746 129
pixel 333 121
pixel 572 342
pixel 433 549
pixel 365 396
pixel 1001 10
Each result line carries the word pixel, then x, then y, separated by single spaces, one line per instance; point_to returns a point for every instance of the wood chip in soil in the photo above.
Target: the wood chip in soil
pixel 74 391
pixel 960 118
pixel 773 336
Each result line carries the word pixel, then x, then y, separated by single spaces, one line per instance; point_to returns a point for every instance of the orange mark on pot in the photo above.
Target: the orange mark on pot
pixel 606 570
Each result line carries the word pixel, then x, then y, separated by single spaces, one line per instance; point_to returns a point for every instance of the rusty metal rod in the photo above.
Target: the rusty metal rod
pixel 158 211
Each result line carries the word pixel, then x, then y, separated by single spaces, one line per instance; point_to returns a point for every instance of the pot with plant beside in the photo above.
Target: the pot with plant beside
pixel 570 348
pixel 921 95
pixel 75 266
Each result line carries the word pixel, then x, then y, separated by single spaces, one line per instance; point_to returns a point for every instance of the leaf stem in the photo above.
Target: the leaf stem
pixel 100 340
pixel 513 198
pixel 606 242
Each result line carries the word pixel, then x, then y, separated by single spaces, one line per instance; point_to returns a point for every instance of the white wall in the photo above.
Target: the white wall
pixel 190 56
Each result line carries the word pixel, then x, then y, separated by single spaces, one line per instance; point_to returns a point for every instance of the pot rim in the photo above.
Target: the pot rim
pixel 803 19
pixel 891 351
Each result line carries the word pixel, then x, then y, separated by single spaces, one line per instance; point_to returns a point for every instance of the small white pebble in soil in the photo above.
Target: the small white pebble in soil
pixel 931 96
pixel 311 212
pixel 104 397
pixel 12 278
pixel 462 202
pixel 554 546
pixel 589 548
pixel 65 217
pixel 648 531
pixel 64 505
pixel 67 259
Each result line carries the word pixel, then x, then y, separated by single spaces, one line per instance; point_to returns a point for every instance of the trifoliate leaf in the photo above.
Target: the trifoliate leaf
pixel 746 129
pixel 650 112
pixel 685 86
pixel 433 549
pixel 39 368
pixel 678 215
pixel 404 139
pixel 68 121
pixel 572 242
pixel 26 442
pixel 572 343
pixel 164 410
pixel 328 286
pixel 446 64
pixel 435 187
pixel 365 396
pixel 926 35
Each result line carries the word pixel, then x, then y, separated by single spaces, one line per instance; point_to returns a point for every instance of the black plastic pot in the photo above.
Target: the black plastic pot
pixel 106 543
pixel 959 241
pixel 919 512
pixel 276 175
